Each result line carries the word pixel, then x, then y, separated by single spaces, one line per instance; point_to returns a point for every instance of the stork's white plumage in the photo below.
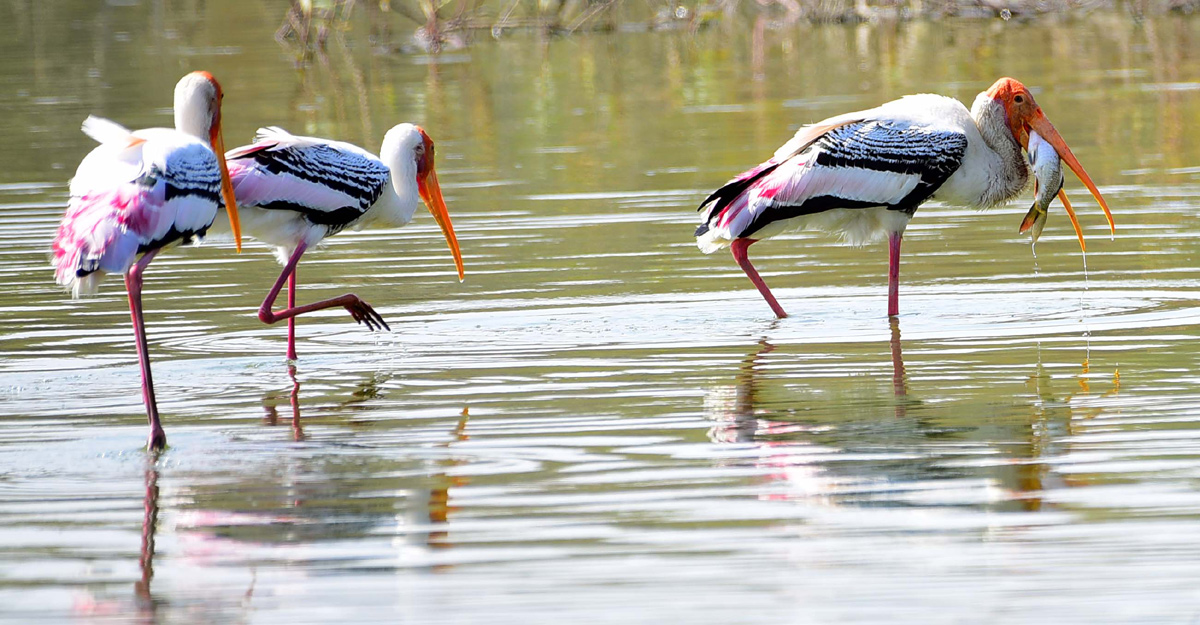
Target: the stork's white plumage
pixel 864 174
pixel 294 191
pixel 139 192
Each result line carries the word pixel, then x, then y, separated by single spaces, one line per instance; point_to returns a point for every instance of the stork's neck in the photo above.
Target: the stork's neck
pixel 193 111
pixel 1008 173
pixel 192 122
pixel 398 203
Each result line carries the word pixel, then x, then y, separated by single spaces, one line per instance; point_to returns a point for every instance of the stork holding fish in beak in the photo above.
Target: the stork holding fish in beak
pixel 1048 182
pixel 864 174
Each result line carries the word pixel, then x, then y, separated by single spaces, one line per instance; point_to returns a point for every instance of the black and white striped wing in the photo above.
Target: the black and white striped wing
pixel 330 183
pixel 863 164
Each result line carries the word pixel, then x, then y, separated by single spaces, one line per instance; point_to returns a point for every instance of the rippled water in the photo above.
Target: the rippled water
pixel 602 424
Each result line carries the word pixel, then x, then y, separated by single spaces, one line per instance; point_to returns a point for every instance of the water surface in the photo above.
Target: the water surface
pixel 602 424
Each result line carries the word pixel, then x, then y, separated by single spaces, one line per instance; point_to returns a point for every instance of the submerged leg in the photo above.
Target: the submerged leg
pixel 358 309
pixel 894 273
pixel 738 247
pixel 133 284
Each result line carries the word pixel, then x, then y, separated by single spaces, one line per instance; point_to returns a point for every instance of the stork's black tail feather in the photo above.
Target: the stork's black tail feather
pixel 730 191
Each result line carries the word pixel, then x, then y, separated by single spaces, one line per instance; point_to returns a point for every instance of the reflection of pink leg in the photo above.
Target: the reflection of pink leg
pixel 297 432
pixel 738 247
pixel 899 382
pixel 894 273
pixel 899 378
pixel 291 352
pixel 149 525
pixel 358 309
pixel 133 284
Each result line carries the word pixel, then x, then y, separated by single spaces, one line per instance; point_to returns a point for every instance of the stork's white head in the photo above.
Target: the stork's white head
pixel 198 112
pixel 408 152
pixel 1023 114
pixel 198 104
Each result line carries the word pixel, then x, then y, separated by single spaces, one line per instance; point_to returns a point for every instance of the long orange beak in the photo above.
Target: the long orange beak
pixel 218 146
pixel 431 193
pixel 1044 128
pixel 1062 196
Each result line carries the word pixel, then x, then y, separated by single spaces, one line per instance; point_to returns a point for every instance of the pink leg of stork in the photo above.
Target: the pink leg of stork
pixel 894 273
pixel 738 247
pixel 133 284
pixel 358 309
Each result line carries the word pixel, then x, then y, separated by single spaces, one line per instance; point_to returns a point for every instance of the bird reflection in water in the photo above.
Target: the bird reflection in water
pixel 272 414
pixel 786 458
pixel 736 408
pixel 791 452
pixel 899 377
pixel 369 388
pixel 1054 416
pixel 439 507
pixel 146 604
pixel 144 607
pixel 427 507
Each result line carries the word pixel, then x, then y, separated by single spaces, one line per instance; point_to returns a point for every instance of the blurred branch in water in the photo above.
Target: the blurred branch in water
pixel 548 17
pixel 787 12
pixel 308 23
pixel 441 24
pixel 452 24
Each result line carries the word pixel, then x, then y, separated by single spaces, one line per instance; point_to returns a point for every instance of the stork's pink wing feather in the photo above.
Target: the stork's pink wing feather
pixel 127 198
pixel 101 231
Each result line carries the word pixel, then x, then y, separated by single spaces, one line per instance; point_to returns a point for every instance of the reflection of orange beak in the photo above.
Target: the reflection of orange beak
pixel 218 146
pixel 431 193
pixel 1039 123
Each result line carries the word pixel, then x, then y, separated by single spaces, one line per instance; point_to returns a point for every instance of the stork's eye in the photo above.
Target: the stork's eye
pixel 1019 99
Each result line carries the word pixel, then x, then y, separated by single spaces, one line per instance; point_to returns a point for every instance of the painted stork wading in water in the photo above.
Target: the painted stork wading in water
pixel 139 192
pixel 864 174
pixel 295 191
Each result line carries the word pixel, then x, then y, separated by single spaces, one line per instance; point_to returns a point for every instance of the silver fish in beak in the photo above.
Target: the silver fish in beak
pixel 1048 182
